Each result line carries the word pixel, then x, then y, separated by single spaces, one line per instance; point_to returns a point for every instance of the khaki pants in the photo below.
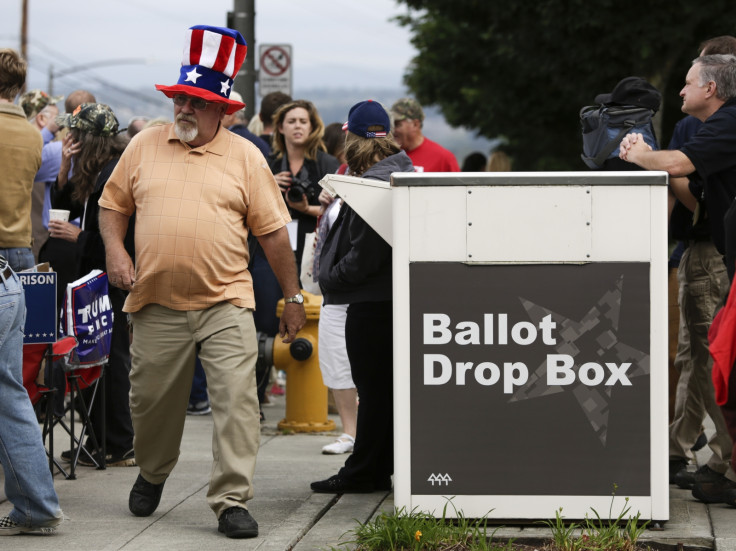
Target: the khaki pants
pixel 674 327
pixel 703 286
pixel 164 345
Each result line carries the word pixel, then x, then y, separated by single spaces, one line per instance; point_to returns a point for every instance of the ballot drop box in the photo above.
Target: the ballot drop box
pixel 530 340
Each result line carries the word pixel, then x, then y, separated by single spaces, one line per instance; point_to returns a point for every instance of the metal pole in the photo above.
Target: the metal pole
pixel 24 36
pixel 243 20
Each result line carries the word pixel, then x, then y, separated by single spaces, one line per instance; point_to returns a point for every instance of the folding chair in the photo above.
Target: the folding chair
pixel 63 374
pixel 87 314
pixel 38 361
pixel 77 379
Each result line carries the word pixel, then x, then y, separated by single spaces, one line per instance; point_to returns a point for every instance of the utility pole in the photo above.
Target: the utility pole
pixel 24 35
pixel 242 19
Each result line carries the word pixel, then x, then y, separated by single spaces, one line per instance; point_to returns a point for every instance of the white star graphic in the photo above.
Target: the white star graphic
pixel 225 87
pixel 192 76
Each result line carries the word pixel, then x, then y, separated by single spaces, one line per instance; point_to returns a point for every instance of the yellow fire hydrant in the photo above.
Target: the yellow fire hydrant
pixel 306 394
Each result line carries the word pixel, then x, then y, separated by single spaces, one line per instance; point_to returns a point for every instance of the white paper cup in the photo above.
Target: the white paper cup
pixel 59 214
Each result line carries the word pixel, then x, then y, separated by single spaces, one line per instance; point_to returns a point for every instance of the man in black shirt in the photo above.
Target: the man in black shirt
pixel 707 160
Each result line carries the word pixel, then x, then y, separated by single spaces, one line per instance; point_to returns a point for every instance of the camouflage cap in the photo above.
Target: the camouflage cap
pixel 34 101
pixel 91 118
pixel 407 108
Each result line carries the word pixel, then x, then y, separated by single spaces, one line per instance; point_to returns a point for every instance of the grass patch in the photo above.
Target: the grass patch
pixel 620 533
pixel 414 530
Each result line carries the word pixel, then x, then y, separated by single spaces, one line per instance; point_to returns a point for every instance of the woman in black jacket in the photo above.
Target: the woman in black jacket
pixel 355 269
pixel 95 145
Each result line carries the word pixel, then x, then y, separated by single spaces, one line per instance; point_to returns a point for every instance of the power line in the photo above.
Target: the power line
pixel 64 74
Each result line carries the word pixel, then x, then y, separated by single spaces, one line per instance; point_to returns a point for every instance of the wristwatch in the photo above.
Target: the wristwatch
pixel 298 298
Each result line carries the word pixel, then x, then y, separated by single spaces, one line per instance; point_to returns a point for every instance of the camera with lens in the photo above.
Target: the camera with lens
pixel 301 187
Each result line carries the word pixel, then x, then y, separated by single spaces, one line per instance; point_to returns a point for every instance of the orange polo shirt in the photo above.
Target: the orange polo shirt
pixel 194 208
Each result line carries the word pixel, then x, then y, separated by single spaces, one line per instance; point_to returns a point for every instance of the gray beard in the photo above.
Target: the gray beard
pixel 188 133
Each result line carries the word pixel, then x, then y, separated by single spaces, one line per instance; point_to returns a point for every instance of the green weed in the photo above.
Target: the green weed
pixel 419 531
pixel 598 534
pixel 415 530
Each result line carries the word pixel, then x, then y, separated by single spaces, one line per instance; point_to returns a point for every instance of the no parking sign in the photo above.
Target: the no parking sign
pixel 274 74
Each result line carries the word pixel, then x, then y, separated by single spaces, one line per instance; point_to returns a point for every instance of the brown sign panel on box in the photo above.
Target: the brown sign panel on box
pixel 530 379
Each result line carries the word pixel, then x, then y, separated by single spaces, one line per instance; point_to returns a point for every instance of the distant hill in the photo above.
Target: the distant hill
pixel 333 105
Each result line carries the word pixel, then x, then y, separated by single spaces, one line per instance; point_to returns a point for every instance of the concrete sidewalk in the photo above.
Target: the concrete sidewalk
pixel 289 514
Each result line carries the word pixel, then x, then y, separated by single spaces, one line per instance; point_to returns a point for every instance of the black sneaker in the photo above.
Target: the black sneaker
pixel 339 485
pixel 67 455
pixel 383 485
pixel 126 459
pixel 687 479
pixel 722 490
pixel 236 522
pixel 144 497
pixel 86 461
pixel 676 465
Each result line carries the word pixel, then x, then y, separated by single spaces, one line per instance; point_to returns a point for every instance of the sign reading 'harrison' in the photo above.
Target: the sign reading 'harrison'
pixel 531 364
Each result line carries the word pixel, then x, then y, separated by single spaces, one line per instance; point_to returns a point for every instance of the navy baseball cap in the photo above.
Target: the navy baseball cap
pixel 366 114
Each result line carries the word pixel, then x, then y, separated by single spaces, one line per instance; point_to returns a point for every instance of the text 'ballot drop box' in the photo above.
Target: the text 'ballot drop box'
pixel 530 324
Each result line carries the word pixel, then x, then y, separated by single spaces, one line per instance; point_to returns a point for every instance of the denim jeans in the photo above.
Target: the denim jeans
pixel 199 384
pixel 28 483
pixel 19 258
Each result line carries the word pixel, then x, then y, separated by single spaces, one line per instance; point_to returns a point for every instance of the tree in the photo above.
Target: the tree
pixel 524 69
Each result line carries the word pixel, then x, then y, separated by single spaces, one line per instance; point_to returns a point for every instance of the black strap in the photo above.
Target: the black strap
pixel 614 143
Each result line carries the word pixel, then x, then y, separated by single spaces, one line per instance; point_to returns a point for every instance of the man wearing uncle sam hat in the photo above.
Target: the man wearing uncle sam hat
pixel 197 190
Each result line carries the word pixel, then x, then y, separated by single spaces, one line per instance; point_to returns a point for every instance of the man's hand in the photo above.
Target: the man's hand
pixel 281 258
pixel 120 270
pixel 292 320
pixel 631 145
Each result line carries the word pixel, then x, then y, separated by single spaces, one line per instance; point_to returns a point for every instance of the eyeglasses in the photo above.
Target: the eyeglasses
pixel 197 103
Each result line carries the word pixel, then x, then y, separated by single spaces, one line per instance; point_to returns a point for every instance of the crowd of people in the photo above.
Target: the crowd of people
pixel 702 171
pixel 204 223
pixel 155 205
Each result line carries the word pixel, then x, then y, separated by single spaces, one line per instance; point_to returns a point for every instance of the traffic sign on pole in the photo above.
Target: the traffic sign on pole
pixel 274 71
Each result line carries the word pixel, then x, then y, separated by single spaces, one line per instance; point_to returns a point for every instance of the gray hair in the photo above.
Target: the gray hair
pixel 721 69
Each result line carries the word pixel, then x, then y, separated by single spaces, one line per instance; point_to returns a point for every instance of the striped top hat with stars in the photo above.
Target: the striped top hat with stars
pixel 212 58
